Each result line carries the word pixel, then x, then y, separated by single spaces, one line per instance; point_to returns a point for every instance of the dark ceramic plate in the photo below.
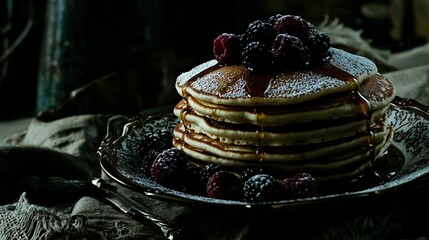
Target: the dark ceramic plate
pixel 118 158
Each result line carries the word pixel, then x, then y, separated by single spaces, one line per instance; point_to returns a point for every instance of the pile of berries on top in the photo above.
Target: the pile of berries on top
pixel 281 43
pixel 170 167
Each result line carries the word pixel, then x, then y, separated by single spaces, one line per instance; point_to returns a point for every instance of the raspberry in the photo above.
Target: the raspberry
pixel 293 25
pixel 208 171
pixel 260 187
pixel 226 49
pixel 169 167
pixel 256 56
pixel 224 185
pixel 259 31
pixel 299 185
pixel 289 52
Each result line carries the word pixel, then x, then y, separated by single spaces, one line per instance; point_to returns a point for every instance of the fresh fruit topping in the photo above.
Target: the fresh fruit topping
pixel 149 158
pixel 250 172
pixel 208 171
pixel 300 185
pixel 226 49
pixel 274 43
pixel 256 56
pixel 151 145
pixel 293 25
pixel 289 51
pixel 224 185
pixel 260 187
pixel 192 183
pixel 169 168
pixel 318 44
pixel 155 140
pixel 259 31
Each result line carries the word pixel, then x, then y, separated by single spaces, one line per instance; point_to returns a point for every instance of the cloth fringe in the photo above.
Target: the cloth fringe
pixel 22 220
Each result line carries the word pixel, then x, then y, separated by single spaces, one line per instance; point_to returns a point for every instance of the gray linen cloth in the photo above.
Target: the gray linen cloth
pixel 63 150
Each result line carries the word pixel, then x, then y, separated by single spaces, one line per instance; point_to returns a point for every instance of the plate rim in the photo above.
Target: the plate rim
pixel 119 127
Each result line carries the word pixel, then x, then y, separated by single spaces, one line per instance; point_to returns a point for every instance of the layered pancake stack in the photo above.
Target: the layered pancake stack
pixel 328 120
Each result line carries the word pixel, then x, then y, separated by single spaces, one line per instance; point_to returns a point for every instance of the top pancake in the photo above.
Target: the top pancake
pixel 235 86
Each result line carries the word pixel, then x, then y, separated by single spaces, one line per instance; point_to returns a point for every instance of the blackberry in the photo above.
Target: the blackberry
pixel 256 56
pixel 260 187
pixel 273 19
pixel 154 140
pixel 293 25
pixel 250 172
pixel 149 158
pixel 298 186
pixel 169 167
pixel 166 136
pixel 224 185
pixel 192 182
pixel 259 31
pixel 319 44
pixel 289 52
pixel 208 171
pixel 226 49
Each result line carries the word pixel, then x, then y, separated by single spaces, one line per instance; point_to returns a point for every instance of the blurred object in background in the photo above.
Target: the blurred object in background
pixel 86 40
pixel 21 24
pixel 410 23
pixel 64 45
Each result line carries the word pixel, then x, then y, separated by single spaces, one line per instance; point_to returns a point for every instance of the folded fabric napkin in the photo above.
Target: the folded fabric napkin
pixel 45 171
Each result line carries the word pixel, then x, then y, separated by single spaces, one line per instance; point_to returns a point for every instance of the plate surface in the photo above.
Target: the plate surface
pixel 118 155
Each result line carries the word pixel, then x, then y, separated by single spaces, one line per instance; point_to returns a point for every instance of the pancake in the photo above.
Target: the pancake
pixel 304 133
pixel 336 167
pixel 292 153
pixel 326 118
pixel 335 105
pixel 233 85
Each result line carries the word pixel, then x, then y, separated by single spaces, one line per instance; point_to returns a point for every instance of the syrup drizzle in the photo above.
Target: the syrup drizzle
pixel 364 103
pixel 256 85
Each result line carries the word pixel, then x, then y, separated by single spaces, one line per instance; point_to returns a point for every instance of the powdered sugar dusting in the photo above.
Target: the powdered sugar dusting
pixel 302 83
pixel 228 84
pixel 357 66
pixel 186 76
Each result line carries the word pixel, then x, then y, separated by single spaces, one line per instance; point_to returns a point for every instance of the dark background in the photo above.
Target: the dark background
pixel 96 38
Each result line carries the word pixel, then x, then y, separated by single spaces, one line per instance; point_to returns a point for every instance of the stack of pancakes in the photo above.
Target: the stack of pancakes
pixel 328 120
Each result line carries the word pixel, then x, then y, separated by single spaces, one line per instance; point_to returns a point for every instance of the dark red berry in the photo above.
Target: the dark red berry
pixel 224 185
pixel 169 167
pixel 289 52
pixel 293 25
pixel 299 186
pixel 226 49
pixel 208 171
pixel 260 187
